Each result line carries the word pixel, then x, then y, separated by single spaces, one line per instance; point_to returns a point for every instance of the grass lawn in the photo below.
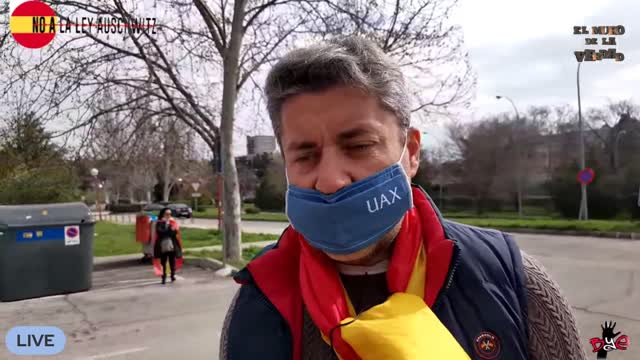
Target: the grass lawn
pixel 212 213
pixel 247 254
pixel 115 239
pixel 555 224
pixel 505 220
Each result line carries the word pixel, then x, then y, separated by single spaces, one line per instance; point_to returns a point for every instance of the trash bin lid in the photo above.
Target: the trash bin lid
pixel 45 214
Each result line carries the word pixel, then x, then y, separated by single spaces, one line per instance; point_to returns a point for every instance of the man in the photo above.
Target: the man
pixel 369 269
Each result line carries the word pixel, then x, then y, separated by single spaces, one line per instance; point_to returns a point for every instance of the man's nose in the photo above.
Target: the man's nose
pixel 332 176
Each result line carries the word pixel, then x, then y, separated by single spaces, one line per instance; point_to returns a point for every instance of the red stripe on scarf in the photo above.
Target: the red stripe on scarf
pixel 323 296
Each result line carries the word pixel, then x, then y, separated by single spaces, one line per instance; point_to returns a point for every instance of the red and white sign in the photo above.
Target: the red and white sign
pixel 71 235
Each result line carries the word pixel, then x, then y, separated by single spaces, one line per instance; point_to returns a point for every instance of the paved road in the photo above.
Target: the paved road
pixel 127 314
pixel 601 279
pixel 599 276
pixel 130 315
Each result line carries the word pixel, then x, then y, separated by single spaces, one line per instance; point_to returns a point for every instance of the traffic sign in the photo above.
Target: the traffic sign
pixel 196 186
pixel 586 176
pixel 196 195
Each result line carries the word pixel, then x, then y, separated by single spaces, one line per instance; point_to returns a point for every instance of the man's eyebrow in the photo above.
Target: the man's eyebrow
pixel 354 133
pixel 301 145
pixel 342 137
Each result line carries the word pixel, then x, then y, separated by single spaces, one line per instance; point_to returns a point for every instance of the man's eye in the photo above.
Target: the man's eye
pixel 303 158
pixel 358 147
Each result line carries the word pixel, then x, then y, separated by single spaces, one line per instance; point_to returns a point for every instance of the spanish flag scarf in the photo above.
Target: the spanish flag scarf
pixel 403 327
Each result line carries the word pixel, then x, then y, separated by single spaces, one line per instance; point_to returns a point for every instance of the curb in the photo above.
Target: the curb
pixel 113 262
pixel 600 234
pixel 217 266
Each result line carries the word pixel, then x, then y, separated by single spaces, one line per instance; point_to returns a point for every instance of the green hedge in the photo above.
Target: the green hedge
pixel 631 203
pixel 251 209
pixel 269 198
pixel 39 186
pixel 604 197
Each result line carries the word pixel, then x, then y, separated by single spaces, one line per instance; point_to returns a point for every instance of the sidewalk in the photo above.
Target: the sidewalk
pixel 598 234
pixel 105 262
pixel 259 244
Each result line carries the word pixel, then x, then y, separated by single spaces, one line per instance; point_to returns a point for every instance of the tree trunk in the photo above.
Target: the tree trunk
pixel 166 179
pixel 165 192
pixel 132 195
pixel 230 189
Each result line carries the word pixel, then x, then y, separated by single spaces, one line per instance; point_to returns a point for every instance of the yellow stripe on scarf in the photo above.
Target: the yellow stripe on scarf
pixel 418 276
pixel 403 327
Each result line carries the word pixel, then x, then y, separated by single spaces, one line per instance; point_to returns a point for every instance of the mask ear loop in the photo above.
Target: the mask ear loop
pixel 404 149
pixel 404 146
pixel 337 327
pixel 286 202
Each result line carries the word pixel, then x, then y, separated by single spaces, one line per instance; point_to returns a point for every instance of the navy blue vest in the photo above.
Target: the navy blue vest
pixel 483 299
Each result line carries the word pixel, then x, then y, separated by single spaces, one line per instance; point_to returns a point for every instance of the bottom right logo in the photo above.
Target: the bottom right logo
pixel 610 341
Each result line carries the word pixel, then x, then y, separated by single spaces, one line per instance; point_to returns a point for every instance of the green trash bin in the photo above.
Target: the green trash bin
pixel 45 250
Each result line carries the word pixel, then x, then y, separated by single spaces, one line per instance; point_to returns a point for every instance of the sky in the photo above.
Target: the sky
pixel 524 50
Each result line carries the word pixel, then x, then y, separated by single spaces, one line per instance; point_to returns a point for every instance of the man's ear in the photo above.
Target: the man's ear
pixel 414 146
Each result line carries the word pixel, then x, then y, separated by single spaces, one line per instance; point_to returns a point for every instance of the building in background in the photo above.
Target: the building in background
pixel 261 144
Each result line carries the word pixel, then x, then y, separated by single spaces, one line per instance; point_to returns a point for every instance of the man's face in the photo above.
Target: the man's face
pixel 333 138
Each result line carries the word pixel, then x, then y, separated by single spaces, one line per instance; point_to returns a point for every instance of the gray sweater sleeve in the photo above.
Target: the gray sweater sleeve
pixel 552 327
pixel 225 328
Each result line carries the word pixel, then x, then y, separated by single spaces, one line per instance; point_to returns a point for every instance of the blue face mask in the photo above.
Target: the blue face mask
pixel 354 217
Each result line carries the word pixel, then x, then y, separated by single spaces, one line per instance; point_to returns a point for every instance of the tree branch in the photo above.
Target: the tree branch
pixel 212 24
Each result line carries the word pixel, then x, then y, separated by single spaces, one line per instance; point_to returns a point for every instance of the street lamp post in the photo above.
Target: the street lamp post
pixel 584 209
pixel 96 185
pixel 518 165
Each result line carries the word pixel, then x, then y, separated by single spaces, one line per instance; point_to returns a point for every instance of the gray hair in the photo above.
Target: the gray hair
pixel 351 61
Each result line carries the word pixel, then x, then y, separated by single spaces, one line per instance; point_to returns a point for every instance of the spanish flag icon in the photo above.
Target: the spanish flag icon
pixel 33 24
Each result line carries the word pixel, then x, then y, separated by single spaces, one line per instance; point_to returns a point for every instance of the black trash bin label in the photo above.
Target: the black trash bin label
pixel 71 235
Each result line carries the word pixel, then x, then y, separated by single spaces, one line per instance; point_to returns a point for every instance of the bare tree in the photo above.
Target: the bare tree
pixel 4 21
pixel 248 179
pixel 606 127
pixel 478 155
pixel 414 32
pixel 200 58
pixel 176 147
pixel 126 143
pixel 143 162
pixel 500 156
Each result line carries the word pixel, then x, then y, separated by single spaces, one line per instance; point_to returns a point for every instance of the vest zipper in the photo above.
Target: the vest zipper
pixel 450 277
